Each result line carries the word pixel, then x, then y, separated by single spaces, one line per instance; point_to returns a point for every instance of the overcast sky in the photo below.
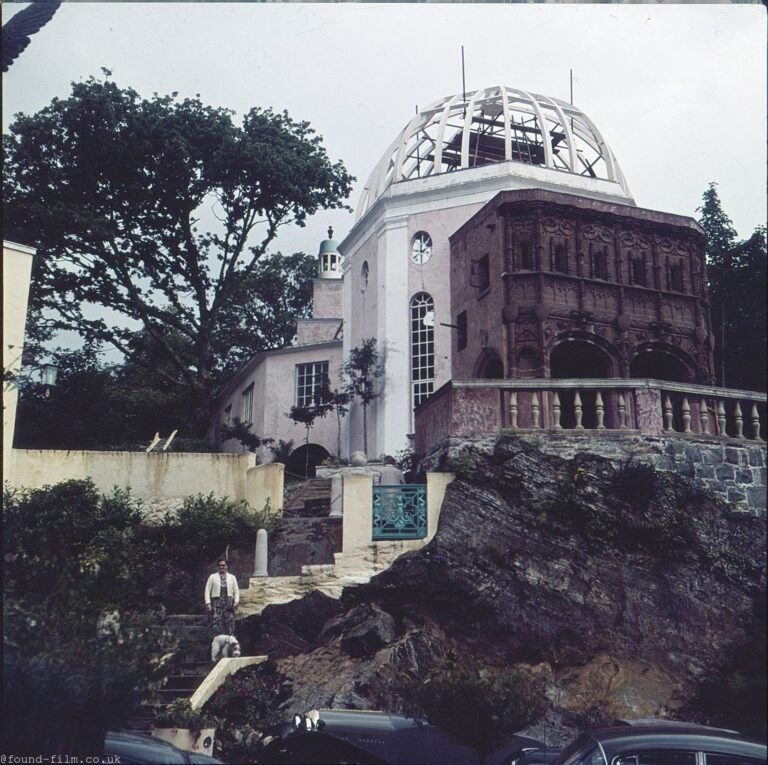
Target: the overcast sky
pixel 678 91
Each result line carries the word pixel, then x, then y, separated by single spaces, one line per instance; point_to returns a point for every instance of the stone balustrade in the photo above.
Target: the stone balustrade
pixel 649 407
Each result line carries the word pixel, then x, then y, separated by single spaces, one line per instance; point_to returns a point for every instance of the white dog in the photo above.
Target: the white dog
pixel 224 647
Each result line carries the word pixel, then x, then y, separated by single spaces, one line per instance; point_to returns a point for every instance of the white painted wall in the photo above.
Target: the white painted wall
pixel 17 267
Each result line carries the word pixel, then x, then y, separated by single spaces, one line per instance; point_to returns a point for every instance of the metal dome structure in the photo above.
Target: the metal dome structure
pixel 494 125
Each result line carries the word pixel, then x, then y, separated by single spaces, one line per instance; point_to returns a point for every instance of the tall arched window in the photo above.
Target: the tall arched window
pixel 422 347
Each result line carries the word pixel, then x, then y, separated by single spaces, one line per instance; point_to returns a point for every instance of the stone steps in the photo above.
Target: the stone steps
pixel 190 666
pixel 311 501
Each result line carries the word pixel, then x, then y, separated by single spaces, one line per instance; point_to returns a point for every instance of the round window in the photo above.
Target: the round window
pixel 421 249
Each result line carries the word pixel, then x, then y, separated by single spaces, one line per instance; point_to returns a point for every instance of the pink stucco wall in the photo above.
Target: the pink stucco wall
pixel 326 300
pixel 274 379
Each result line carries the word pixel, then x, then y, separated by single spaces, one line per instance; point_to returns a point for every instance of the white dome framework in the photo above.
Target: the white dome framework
pixel 498 124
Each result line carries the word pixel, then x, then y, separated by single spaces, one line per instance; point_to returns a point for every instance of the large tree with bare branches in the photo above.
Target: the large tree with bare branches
pixel 152 214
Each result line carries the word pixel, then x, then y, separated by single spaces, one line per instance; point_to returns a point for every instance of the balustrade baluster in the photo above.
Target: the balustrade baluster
pixel 578 409
pixel 686 415
pixel 535 410
pixel 756 423
pixel 739 421
pixel 599 411
pixel 556 411
pixel 667 414
pixel 721 431
pixel 622 404
pixel 704 416
pixel 513 410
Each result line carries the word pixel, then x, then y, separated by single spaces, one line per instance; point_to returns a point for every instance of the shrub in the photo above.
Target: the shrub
pixel 181 714
pixel 81 641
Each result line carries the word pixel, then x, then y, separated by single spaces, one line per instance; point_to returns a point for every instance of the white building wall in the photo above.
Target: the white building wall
pixel 17 267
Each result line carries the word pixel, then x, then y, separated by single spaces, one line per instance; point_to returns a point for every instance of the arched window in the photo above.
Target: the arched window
pixel 422 348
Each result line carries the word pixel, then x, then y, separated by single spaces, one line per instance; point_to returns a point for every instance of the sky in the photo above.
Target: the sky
pixel 678 91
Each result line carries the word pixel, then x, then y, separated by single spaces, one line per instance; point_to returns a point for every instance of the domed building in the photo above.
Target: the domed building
pixel 497 238
pixel 450 161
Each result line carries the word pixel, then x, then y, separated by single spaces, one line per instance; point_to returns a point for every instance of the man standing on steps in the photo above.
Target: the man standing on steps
pixel 390 474
pixel 222 597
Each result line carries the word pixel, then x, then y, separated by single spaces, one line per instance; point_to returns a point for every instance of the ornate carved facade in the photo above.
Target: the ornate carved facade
pixel 554 285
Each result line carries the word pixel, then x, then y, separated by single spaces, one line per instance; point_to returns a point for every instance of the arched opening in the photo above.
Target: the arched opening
pixel 659 365
pixel 304 460
pixel 579 359
pixel 489 366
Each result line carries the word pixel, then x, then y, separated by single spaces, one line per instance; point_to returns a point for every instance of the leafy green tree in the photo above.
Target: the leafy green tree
pixel 242 432
pixel 98 406
pixel 309 414
pixel 112 189
pixel 737 282
pixel 80 625
pixel 360 372
pixel 475 704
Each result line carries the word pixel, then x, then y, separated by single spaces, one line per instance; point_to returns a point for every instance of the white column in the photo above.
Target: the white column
pixel 393 408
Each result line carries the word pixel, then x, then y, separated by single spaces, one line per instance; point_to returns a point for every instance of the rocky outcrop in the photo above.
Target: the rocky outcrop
pixel 623 588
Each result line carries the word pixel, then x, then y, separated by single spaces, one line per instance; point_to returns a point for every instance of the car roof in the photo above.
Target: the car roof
pixel 668 735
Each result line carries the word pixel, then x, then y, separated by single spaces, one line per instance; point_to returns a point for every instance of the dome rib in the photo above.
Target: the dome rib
pixel 494 125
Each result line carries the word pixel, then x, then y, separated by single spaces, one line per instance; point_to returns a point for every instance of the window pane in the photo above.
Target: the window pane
pixel 657 757
pixel 732 759
pixel 310 379
pixel 422 348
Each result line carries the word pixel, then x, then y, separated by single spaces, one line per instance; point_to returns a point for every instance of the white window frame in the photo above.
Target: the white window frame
pixel 246 411
pixel 422 348
pixel 308 378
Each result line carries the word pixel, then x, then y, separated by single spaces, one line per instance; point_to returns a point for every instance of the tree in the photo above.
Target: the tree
pixel 242 433
pixel 80 623
pixel 95 405
pixel 736 273
pixel 475 704
pixel 306 415
pixel 113 189
pixel 363 367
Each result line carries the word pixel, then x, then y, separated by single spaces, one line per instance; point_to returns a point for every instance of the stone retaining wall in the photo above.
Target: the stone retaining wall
pixel 733 469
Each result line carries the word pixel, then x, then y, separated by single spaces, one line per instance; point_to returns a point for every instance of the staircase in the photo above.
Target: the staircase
pixel 312 500
pixel 189 667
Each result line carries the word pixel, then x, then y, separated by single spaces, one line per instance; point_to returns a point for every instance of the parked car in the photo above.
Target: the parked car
pixel 662 742
pixel 132 747
pixel 332 736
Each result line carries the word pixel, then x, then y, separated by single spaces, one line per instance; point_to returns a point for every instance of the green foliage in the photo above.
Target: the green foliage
pixel 476 704
pixel 737 277
pixel 204 526
pixel 82 637
pixel 109 188
pixel 282 450
pixel 245 699
pixel 409 461
pixel 242 433
pixel 181 714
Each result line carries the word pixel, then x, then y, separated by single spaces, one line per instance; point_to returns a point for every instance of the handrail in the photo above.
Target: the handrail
pixel 591 383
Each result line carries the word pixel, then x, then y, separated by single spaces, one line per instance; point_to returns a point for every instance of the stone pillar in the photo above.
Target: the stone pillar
pixel 393 411
pixel 262 552
pixel 357 528
pixel 649 415
pixel 337 496
pixel 264 483
pixel 436 485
